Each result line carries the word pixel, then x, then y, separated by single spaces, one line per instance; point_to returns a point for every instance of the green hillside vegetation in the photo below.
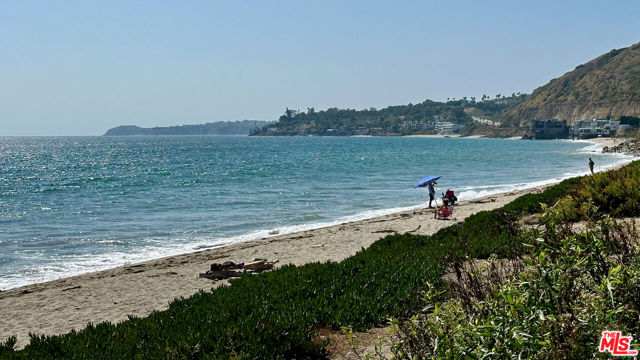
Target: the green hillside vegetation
pixel 393 120
pixel 569 287
pixel 277 314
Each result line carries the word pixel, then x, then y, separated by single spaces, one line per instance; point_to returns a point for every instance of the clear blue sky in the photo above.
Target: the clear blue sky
pixel 81 67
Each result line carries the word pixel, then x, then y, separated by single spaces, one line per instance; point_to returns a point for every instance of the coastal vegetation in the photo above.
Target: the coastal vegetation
pixel 408 119
pixel 278 314
pixel 570 287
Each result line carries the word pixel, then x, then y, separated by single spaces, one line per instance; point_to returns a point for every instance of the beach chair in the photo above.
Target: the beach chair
pixel 450 196
pixel 443 213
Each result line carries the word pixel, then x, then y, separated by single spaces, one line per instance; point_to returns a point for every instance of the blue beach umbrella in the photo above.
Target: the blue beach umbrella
pixel 426 180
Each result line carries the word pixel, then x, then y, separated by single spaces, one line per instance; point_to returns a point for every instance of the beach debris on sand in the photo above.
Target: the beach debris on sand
pixel 384 231
pixel 231 269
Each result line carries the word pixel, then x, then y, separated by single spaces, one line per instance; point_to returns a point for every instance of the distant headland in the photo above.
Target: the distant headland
pixel 243 127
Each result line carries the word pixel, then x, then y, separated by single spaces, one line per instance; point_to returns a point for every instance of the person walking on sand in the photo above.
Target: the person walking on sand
pixel 432 193
pixel 591 163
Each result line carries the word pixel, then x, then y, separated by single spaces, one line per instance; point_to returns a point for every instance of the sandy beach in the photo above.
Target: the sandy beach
pixel 62 305
pixel 70 303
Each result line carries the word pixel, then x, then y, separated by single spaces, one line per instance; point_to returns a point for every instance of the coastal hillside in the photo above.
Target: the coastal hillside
pixel 426 117
pixel 607 86
pixel 216 128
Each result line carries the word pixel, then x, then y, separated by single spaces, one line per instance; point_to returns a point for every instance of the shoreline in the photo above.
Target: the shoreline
pixel 285 229
pixel 261 234
pixel 58 306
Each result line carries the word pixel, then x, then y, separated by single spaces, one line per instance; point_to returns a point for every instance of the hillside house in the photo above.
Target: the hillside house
pixel 447 128
pixel 586 129
pixel 549 129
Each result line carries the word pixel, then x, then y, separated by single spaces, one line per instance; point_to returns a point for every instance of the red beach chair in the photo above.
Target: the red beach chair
pixel 443 213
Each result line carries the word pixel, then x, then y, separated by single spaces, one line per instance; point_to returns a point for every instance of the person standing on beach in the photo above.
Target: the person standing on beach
pixel 432 192
pixel 591 163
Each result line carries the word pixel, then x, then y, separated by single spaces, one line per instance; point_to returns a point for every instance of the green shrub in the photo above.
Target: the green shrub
pixel 531 203
pixel 480 235
pixel 7 346
pixel 575 287
pixel 614 192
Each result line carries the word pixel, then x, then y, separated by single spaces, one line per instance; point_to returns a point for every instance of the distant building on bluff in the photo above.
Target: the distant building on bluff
pixel 447 128
pixel 550 129
pixel 586 129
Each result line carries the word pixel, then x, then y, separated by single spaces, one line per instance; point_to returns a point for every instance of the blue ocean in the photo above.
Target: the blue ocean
pixel 71 205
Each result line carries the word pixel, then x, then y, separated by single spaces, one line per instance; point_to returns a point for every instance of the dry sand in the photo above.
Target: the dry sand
pixel 58 306
pixel 607 141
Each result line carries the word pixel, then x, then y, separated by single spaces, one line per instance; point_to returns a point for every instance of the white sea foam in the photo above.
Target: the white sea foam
pixel 64 266
pixel 77 265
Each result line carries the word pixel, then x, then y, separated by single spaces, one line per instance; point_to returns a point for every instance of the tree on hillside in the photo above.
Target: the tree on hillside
pixel 400 119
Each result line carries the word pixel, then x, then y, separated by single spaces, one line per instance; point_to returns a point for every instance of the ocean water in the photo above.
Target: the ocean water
pixel 71 205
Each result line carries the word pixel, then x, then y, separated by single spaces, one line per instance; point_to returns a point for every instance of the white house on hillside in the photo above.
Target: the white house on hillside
pixel 586 129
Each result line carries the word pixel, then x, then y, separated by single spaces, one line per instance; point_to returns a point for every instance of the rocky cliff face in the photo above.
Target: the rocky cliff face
pixel 608 85
pixel 576 111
